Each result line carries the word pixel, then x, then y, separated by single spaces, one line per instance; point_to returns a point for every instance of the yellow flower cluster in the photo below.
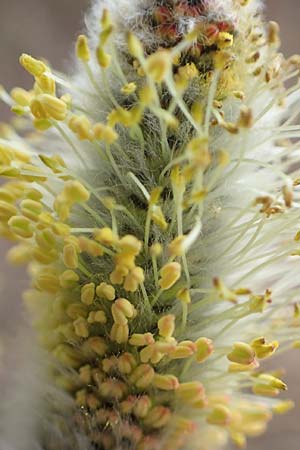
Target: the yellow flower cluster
pixel 117 303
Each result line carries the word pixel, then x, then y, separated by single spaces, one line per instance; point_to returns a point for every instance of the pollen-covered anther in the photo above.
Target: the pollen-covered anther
pixel 126 117
pixel 21 96
pixel 288 196
pixel 130 244
pixel 258 303
pixel 7 210
pixel 70 257
pixel 176 247
pixel 192 393
pixel 88 293
pixel 46 83
pixel 81 327
pixel 223 291
pixel 242 353
pixel 223 59
pixel 283 407
pixel 231 127
pixel 142 376
pixel 73 192
pixel 105 133
pixel 85 374
pixel 135 46
pixel 90 247
pixel 76 310
pixel 142 406
pixel 82 127
pixel 158 417
pixel 204 349
pixel 19 254
pixel 82 48
pixel 47 280
pixel 156 250
pixel 97 317
pixel 155 352
pixel 119 333
pixel 34 66
pixel 268 385
pixel 170 274
pixel 109 364
pixel 147 95
pixel 118 274
pixel 127 405
pixel 134 279
pixel 46 106
pixel 141 340
pixel 273 34
pixel 103 58
pixel 246 118
pixel 223 158
pixel 31 209
pixel 129 88
pixel 166 326
pixel 263 349
pixel 184 75
pixel 184 296
pixel 198 153
pixel 105 236
pixel 126 363
pixel 224 40
pixel 95 344
pixel 184 349
pixel 122 310
pixel 21 226
pixel 220 415
pixel 236 367
pixel 112 388
pixel 105 290
pixel 158 65
pixel 166 382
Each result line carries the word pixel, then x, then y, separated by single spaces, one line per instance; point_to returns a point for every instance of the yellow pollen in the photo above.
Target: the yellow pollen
pixel 119 333
pixel 166 382
pixel 103 58
pixel 82 48
pixel 106 291
pixel 88 293
pixel 158 65
pixel 166 326
pixel 81 327
pixel 129 88
pixel 242 353
pixel 170 273
pixel 32 65
pixel 70 257
pixel 220 415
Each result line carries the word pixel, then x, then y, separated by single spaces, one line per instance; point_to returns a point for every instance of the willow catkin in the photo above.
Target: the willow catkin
pixel 156 202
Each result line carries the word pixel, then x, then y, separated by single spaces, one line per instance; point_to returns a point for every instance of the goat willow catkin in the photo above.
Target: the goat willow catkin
pixel 154 196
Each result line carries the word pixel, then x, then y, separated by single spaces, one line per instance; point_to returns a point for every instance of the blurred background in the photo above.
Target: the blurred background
pixel 48 28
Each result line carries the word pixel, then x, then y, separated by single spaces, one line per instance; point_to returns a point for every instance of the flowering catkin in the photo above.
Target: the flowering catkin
pixel 154 197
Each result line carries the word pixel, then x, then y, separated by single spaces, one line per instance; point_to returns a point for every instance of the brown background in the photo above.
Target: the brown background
pixel 48 28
